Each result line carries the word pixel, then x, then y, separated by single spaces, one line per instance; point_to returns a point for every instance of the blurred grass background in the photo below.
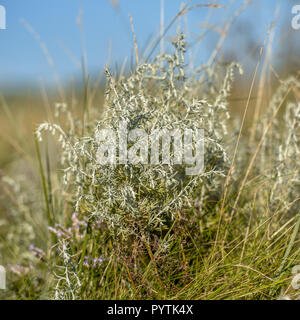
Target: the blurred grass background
pixel 26 101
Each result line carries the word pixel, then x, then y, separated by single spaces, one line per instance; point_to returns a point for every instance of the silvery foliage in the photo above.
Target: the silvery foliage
pixel 139 199
pixel 67 281
pixel 281 148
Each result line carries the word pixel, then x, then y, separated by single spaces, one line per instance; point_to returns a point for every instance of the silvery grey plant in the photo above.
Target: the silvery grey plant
pixel 279 159
pixel 136 200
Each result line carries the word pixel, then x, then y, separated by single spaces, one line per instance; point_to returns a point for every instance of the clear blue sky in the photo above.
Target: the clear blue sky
pixel 21 58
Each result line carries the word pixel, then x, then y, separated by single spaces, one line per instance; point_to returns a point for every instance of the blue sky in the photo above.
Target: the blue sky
pixel 106 30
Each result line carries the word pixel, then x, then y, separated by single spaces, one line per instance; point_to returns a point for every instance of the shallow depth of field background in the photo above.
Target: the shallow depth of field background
pixel 45 42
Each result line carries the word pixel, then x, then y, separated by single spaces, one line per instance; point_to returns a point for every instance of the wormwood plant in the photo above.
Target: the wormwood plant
pixel 139 203
pixel 136 200
pixel 285 140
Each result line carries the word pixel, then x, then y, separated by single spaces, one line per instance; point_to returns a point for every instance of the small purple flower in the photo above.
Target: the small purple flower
pixel 39 253
pixel 97 262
